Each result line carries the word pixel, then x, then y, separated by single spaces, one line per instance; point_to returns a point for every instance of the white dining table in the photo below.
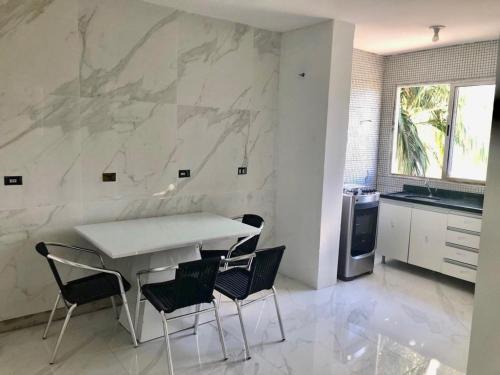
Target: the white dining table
pixel 147 243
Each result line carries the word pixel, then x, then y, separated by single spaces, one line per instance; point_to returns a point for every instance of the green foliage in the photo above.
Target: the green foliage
pixel 420 106
pixel 412 158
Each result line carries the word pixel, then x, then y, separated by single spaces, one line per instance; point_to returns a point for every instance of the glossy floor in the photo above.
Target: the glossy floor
pixel 400 320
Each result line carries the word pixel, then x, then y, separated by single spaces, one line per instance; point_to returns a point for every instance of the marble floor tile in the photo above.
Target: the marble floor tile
pixel 399 320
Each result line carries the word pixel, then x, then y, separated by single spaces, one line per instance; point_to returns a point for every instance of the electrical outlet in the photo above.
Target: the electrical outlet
pixel 242 170
pixel 12 180
pixel 109 177
pixel 184 173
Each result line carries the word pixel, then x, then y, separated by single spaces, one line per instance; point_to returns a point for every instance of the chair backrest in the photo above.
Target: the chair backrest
pixel 265 268
pixel 195 281
pixel 42 249
pixel 249 246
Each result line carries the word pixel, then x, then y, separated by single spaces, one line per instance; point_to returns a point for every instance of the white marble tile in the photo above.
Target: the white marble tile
pixel 259 152
pixel 124 209
pixel 211 143
pixel 90 86
pixel 129 50
pixel 37 112
pixel 40 55
pixel 214 62
pixel 26 284
pixel 232 204
pixel 136 140
pixel 267 49
pixel 342 330
pixel 42 144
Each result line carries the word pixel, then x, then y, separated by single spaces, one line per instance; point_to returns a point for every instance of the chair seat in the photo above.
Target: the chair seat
pixel 169 296
pixel 233 283
pixel 93 288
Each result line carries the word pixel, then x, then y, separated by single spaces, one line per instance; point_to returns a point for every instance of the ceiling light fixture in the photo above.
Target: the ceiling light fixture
pixel 437 29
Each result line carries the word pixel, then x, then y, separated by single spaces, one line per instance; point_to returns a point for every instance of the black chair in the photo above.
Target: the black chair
pixel 244 245
pixel 104 284
pixel 238 283
pixel 193 285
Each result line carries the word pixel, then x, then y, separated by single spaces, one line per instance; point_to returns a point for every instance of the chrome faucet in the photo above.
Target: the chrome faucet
pixel 427 185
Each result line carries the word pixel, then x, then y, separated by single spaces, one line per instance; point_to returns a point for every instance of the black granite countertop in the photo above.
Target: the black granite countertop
pixel 455 200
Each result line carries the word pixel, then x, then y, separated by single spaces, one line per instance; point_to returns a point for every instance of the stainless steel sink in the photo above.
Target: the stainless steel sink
pixel 427 197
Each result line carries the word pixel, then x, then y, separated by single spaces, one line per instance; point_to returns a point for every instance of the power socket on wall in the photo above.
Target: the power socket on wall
pixel 109 177
pixel 242 170
pixel 12 180
pixel 184 173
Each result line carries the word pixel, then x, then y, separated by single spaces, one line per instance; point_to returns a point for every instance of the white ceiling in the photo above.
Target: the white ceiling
pixel 382 26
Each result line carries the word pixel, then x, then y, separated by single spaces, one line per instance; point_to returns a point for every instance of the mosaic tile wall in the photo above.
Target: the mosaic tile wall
pixel 454 63
pixel 364 118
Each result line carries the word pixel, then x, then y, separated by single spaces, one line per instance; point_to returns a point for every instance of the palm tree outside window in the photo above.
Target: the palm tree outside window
pixel 442 131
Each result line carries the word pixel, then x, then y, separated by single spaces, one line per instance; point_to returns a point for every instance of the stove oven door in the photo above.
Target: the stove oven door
pixel 364 233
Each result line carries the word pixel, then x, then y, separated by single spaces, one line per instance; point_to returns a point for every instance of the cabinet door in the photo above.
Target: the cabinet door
pixel 427 239
pixel 393 231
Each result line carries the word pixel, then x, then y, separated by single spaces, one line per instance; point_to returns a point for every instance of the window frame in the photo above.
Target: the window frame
pixel 450 125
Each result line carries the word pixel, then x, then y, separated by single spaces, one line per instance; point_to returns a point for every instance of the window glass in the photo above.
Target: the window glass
pixel 469 145
pixel 419 147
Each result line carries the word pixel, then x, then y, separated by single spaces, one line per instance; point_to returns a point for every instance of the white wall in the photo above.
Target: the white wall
pixel 335 152
pixel 484 349
pixel 311 141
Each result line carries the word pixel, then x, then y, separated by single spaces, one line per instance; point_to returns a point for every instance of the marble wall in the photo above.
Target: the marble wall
pixel 93 86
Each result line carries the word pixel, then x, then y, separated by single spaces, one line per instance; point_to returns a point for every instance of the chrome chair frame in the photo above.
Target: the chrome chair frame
pixel 239 304
pixel 139 274
pixel 71 307
pixel 165 320
pixel 235 246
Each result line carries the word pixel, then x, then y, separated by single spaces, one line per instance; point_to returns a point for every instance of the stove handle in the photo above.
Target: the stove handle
pixel 365 205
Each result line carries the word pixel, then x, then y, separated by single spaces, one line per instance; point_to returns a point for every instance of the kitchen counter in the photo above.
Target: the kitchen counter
pixel 455 200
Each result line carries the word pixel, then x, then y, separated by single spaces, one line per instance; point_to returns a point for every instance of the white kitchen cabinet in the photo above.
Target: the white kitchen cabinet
pixel 427 239
pixel 463 239
pixel 461 254
pixel 458 270
pixel 437 239
pixel 393 231
pixel 468 223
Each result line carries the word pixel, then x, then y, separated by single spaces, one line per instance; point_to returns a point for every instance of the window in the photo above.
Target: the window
pixel 443 131
pixel 470 137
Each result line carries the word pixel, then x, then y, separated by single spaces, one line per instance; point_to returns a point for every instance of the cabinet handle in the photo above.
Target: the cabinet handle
pixel 462 247
pixel 460 264
pixel 466 231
